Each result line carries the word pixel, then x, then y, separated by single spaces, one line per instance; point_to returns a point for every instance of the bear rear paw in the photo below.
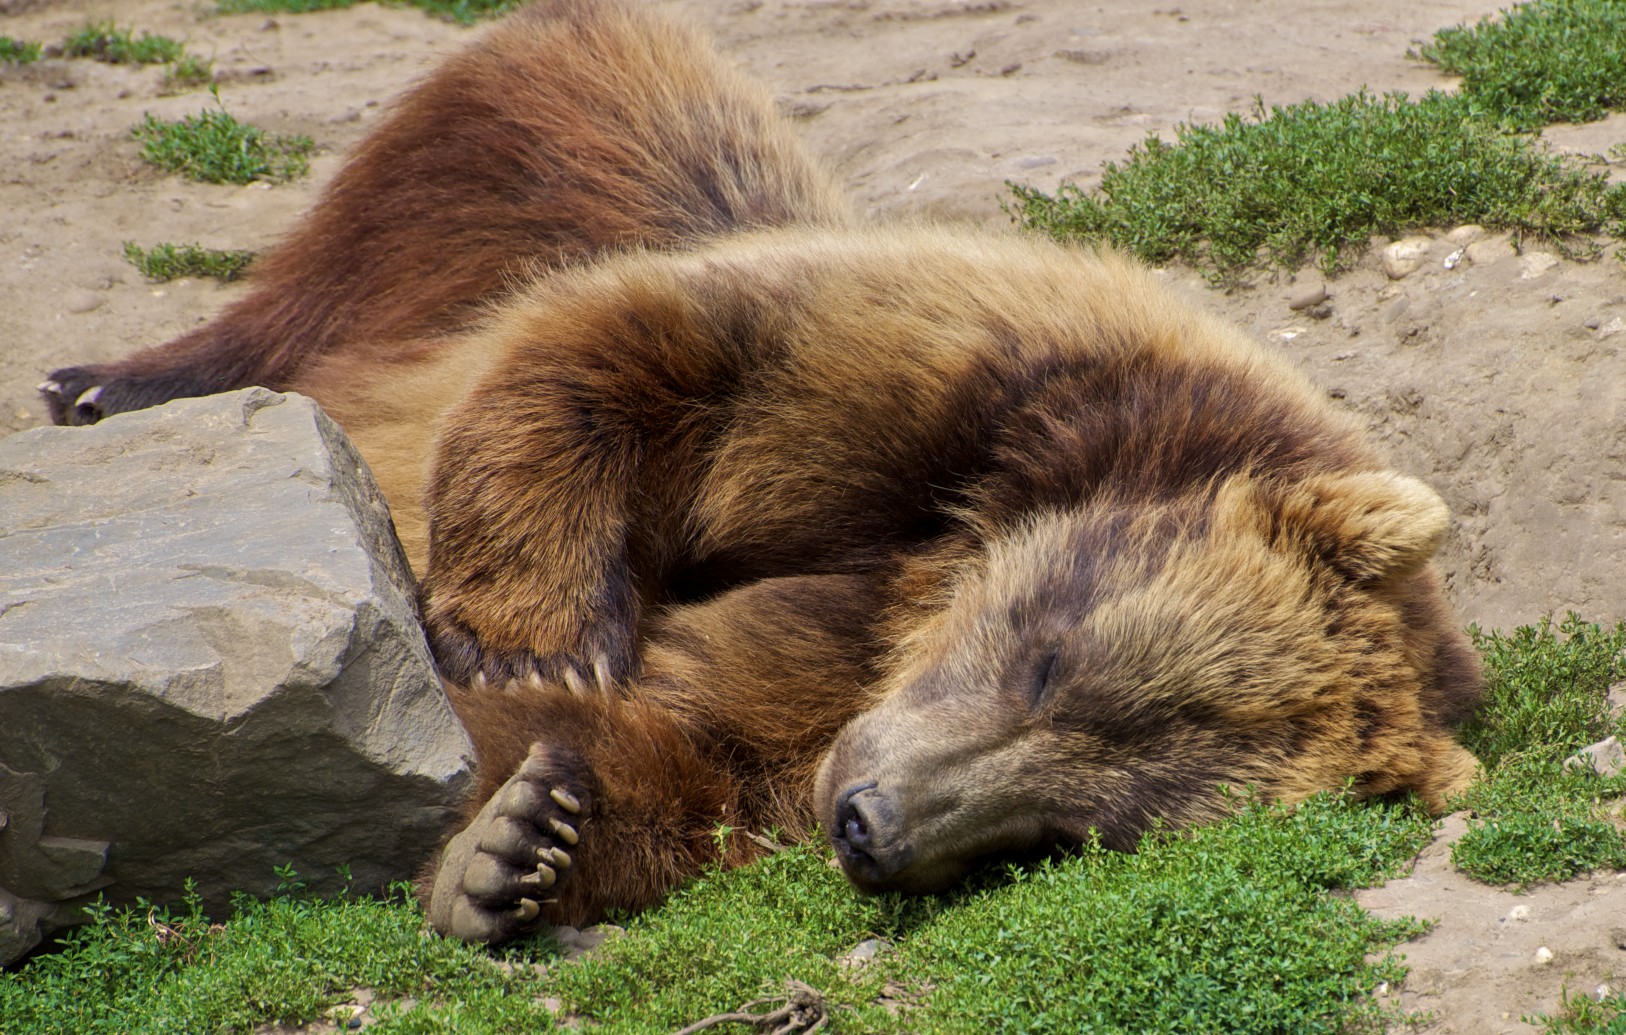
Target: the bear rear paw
pixel 499 873
pixel 86 395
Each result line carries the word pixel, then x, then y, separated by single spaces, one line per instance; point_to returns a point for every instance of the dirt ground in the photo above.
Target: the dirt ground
pixel 1497 376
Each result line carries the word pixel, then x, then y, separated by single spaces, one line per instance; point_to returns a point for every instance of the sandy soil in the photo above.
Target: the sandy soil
pixel 1501 380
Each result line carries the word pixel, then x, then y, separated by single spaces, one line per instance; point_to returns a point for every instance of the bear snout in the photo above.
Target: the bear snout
pixel 868 837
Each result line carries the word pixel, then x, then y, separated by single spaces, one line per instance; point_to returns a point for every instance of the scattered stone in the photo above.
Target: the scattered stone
pixel 1519 913
pixel 213 668
pixel 1488 251
pixel 1453 259
pixel 83 301
pixel 574 944
pixel 1320 312
pixel 1084 57
pixel 1466 234
pixel 1606 758
pixel 1612 328
pixel 1592 323
pixel 864 952
pixel 1544 956
pixel 1403 257
pixel 1312 294
pixel 1534 264
pixel 1618 936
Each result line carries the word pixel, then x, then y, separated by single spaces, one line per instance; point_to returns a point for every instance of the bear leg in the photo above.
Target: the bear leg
pixel 586 802
pixel 86 395
pixel 593 796
pixel 495 874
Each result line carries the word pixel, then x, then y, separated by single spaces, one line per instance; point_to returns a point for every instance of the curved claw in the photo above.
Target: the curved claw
pixel 575 682
pixel 565 800
pixel 565 831
pixel 527 911
pixel 543 879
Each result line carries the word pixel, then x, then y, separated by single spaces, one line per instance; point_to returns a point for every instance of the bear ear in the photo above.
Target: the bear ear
pixel 1370 525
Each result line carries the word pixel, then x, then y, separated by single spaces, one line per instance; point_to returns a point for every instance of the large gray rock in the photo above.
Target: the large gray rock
pixel 210 665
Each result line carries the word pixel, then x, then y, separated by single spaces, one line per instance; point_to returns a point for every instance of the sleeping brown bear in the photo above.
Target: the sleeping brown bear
pixel 954 544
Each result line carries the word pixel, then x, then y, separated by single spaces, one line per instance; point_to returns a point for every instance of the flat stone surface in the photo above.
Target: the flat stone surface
pixel 210 663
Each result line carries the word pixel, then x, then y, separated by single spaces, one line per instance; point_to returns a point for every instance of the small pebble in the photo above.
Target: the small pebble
pixel 1402 258
pixel 83 301
pixel 1592 323
pixel 1483 253
pixel 1606 758
pixel 865 951
pixel 1312 294
pixel 1544 955
pixel 1534 264
pixel 1466 234
pixel 1519 913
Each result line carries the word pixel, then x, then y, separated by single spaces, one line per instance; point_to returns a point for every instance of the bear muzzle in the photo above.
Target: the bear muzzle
pixel 868 838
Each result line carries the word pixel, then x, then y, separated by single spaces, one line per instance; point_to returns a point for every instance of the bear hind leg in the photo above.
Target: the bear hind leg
pixel 87 395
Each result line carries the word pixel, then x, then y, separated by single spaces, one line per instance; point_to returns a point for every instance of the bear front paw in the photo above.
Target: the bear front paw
pixel 496 876
pixel 463 657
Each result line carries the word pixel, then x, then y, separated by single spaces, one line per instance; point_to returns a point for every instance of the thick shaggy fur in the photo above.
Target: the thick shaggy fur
pixel 572 129
pixel 956 544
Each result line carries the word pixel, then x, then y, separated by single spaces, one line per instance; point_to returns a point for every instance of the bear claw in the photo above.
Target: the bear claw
pixel 493 873
pixel 565 800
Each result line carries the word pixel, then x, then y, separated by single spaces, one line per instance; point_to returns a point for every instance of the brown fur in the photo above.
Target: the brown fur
pixel 1016 450
pixel 574 128
pixel 740 516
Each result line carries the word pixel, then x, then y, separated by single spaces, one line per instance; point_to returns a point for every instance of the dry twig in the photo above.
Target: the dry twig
pixel 803 1012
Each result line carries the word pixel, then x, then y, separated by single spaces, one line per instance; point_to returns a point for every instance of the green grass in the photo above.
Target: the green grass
pixel 464 12
pixel 106 42
pixel 18 52
pixel 166 261
pixel 1542 62
pixel 1233 927
pixel 188 72
pixel 1317 180
pixel 1535 819
pixel 214 147
pixel 1582 1015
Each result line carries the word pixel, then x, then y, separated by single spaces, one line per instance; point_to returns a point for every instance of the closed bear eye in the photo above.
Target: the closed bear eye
pixel 1042 678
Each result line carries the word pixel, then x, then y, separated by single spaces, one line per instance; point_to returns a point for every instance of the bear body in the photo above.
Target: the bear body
pixel 954 544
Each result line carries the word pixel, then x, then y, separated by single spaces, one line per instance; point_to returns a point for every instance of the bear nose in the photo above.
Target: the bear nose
pixel 866 835
pixel 852 826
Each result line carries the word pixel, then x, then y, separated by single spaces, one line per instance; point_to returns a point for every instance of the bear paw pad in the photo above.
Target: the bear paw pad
pixel 496 875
